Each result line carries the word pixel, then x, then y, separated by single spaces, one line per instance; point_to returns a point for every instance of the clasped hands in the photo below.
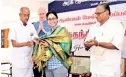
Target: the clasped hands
pixel 90 43
pixel 41 42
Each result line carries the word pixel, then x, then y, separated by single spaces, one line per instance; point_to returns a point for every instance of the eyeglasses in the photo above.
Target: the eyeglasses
pixel 99 13
pixel 51 19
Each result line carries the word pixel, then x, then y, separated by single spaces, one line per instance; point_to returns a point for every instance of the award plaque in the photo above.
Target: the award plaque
pixel 81 64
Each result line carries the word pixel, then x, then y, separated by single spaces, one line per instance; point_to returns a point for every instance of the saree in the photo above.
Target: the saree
pixel 60 44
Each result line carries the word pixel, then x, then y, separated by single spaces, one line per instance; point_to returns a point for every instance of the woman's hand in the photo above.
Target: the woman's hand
pixel 44 43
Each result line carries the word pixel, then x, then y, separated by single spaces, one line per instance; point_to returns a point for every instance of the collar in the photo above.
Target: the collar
pixel 21 23
pixel 52 29
pixel 103 25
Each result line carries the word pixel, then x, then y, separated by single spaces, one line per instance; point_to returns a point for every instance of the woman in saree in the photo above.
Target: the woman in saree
pixel 53 49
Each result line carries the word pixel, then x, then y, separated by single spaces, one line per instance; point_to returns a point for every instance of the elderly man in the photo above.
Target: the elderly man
pixel 105 42
pixel 21 37
pixel 41 27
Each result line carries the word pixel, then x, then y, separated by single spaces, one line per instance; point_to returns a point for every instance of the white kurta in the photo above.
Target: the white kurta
pixel 106 62
pixel 21 55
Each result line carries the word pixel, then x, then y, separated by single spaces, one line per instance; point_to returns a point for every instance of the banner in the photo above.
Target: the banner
pixel 78 16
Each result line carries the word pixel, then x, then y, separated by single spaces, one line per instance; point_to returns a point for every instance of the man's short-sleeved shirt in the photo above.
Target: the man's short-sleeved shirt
pixel 105 61
pixel 20 33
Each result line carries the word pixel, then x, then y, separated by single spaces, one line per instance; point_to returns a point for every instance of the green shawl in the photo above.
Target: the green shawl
pixel 60 44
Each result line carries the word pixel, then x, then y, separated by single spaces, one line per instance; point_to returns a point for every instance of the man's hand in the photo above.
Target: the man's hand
pixel 40 27
pixel 91 43
pixel 36 40
pixel 29 43
pixel 96 43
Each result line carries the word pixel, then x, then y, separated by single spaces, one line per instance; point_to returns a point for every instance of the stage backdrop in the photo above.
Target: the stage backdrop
pixel 78 16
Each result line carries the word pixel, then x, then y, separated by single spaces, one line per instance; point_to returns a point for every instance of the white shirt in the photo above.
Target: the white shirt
pixel 106 61
pixel 20 33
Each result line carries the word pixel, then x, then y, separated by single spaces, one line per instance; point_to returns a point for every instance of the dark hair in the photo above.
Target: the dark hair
pixel 51 12
pixel 106 7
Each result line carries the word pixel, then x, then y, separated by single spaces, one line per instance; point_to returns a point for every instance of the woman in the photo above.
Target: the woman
pixel 53 50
